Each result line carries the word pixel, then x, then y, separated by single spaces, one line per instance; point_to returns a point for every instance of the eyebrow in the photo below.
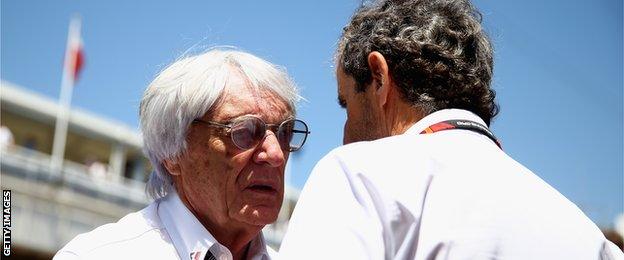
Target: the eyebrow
pixel 342 102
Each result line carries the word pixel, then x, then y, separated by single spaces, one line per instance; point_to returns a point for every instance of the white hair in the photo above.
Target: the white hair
pixel 188 89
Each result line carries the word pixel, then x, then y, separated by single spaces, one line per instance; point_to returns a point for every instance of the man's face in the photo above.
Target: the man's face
pixel 364 119
pixel 224 185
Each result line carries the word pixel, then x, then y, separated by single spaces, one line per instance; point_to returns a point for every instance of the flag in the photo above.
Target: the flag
pixel 73 63
pixel 74 58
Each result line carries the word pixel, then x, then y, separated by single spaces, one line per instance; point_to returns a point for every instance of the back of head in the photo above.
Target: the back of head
pixel 437 53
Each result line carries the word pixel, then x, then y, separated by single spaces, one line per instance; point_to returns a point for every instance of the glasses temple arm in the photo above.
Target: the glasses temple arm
pixel 212 123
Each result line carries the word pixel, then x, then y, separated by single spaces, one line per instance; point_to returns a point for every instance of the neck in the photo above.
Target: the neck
pixel 234 235
pixel 401 116
pixel 237 242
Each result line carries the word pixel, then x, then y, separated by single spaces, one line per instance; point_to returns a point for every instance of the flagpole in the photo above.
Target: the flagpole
pixel 67 84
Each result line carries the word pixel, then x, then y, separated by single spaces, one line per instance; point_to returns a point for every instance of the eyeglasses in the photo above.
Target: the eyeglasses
pixel 248 131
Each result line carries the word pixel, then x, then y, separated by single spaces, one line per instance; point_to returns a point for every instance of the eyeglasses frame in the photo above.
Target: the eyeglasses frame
pixel 273 127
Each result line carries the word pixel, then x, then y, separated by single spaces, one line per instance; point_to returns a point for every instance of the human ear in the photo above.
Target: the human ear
pixel 172 166
pixel 380 75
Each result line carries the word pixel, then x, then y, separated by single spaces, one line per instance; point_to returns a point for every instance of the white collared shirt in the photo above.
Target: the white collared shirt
pixel 448 195
pixel 165 229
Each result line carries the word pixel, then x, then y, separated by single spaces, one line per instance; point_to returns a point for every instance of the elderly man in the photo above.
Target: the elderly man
pixel 218 128
pixel 431 181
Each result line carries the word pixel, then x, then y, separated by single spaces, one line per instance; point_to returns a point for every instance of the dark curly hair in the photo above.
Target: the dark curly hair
pixel 437 53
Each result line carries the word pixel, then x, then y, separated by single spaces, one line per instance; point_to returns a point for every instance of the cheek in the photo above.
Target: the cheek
pixel 209 167
pixel 286 156
pixel 236 169
pixel 205 167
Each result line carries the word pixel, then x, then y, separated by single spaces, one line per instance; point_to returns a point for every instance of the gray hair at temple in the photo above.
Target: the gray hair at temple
pixel 188 89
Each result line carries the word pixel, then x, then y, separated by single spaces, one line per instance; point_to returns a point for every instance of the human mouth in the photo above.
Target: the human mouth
pixel 262 188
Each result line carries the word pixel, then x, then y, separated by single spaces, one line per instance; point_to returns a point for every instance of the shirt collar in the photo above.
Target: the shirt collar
pixel 443 115
pixel 189 236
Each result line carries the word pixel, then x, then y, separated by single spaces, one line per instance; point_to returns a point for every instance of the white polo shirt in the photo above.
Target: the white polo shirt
pixel 448 195
pixel 165 229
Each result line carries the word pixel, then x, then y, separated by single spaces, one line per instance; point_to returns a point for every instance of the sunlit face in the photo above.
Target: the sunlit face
pixel 363 117
pixel 224 185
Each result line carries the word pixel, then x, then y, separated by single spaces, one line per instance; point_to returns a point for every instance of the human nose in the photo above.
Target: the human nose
pixel 269 151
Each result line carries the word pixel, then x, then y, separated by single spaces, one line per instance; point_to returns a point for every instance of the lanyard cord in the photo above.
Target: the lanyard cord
pixel 463 125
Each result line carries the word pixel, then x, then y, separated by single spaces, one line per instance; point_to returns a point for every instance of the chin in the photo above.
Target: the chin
pixel 259 215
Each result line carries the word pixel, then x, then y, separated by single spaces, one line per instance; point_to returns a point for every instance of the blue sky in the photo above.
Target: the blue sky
pixel 558 72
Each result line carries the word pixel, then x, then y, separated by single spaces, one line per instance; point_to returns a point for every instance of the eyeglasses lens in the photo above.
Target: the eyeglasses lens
pixel 247 133
pixel 292 134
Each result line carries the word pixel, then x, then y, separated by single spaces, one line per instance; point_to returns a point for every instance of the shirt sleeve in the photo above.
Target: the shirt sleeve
pixel 331 219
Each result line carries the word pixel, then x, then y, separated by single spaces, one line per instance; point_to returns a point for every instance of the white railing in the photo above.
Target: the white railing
pixel 36 165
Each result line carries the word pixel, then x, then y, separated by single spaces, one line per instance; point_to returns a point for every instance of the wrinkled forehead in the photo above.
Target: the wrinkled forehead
pixel 241 97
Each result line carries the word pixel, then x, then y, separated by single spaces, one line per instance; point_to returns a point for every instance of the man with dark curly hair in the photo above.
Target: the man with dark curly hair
pixel 421 176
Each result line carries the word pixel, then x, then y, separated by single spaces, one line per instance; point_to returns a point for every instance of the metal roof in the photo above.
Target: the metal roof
pixel 43 109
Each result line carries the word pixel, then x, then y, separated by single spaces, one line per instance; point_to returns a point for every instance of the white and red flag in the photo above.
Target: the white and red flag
pixel 74 58
pixel 73 63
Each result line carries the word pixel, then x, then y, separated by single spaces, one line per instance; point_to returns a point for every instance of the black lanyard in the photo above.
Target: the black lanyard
pixel 463 125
